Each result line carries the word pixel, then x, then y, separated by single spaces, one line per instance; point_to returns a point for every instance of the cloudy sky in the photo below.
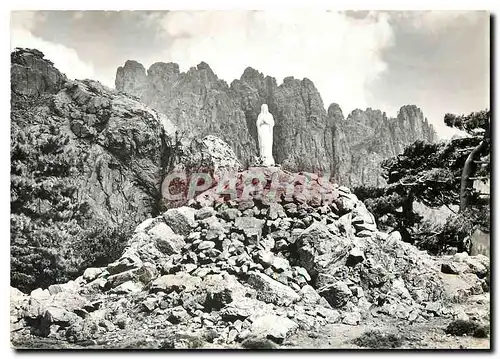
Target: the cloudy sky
pixel 437 60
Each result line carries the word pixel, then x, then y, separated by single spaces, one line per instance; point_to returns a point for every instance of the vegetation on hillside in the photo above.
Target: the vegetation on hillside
pixel 50 242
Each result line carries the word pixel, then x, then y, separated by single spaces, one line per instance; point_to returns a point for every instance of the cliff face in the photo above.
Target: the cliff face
pixel 197 102
pixel 302 136
pixel 368 137
pixel 306 137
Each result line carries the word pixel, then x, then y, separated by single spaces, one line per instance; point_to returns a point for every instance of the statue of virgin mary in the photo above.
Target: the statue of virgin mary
pixel 265 124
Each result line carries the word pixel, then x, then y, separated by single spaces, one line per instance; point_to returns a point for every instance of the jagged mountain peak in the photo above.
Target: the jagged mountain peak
pixel 203 66
pixel 335 112
pixel 90 164
pixel 133 64
pixel 409 108
pixel 250 73
pixel 160 67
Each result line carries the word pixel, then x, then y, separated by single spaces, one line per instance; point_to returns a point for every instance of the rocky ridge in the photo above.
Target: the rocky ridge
pixel 258 266
pixel 306 136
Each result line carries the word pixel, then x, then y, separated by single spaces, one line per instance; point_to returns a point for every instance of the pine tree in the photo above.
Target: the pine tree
pixel 437 174
pixel 477 125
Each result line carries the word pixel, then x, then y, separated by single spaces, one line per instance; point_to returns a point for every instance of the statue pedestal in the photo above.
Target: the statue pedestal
pixel 267 169
pixel 258 162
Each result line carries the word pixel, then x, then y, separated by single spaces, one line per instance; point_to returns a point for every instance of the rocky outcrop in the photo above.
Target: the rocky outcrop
pixel 131 78
pixel 125 149
pixel 32 74
pixel 120 144
pixel 90 155
pixel 306 136
pixel 308 267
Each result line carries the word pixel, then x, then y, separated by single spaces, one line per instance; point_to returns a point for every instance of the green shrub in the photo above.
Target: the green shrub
pixel 100 245
pixel 376 340
pixel 189 341
pixel 258 343
pixel 461 327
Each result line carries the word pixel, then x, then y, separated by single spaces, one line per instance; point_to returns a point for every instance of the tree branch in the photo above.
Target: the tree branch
pixel 467 149
pixel 407 184
pixel 450 208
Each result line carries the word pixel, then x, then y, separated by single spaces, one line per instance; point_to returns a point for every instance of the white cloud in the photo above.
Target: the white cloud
pixel 23 19
pixel 436 20
pixel 341 55
pixel 65 59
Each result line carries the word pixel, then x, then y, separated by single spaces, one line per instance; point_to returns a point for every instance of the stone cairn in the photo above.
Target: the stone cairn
pixel 228 269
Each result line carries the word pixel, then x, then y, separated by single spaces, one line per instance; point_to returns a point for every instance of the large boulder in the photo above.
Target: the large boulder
pixel 244 308
pixel 114 151
pixel 180 219
pixel 178 282
pixel 129 287
pixel 251 227
pixel 270 290
pixel 66 300
pixel 59 309
pixel 166 240
pixel 197 101
pixel 319 252
pixel 362 219
pixel 110 151
pixel 306 136
pixel 273 327
pixel 480 243
pixel 209 154
pixel 217 291
pixel 309 295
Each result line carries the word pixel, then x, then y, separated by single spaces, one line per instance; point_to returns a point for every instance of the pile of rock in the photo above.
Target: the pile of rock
pixel 249 267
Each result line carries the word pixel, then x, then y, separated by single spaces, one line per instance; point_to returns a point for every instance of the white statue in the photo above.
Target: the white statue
pixel 265 124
